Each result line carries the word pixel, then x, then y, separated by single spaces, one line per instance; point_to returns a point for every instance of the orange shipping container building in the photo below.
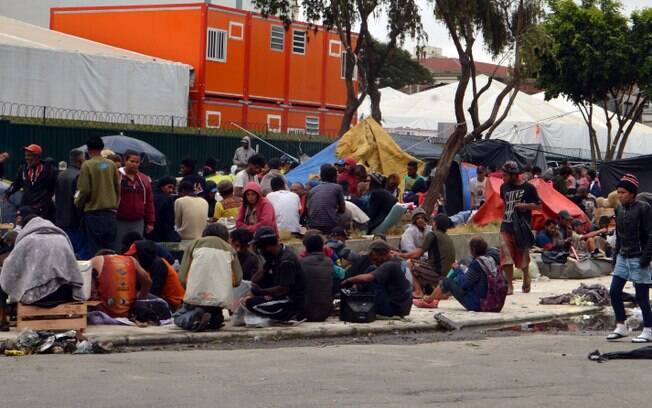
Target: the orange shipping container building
pixel 247 69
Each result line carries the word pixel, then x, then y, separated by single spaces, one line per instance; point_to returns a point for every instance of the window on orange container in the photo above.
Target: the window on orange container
pixel 213 119
pixel 277 38
pixel 298 42
pixel 343 67
pixel 312 125
pixel 236 30
pixel 274 123
pixel 216 43
pixel 334 48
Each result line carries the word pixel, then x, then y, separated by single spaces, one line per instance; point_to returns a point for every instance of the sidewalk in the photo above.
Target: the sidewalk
pixel 519 308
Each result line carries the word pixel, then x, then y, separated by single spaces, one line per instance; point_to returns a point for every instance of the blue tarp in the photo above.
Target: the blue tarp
pixel 311 166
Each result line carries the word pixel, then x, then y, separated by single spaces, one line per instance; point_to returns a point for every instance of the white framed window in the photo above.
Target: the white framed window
pixel 274 123
pixel 213 119
pixel 277 38
pixel 334 48
pixel 216 45
pixel 312 125
pixel 236 30
pixel 343 66
pixel 298 42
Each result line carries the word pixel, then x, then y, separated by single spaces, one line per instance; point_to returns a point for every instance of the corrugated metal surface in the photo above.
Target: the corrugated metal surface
pixel 57 141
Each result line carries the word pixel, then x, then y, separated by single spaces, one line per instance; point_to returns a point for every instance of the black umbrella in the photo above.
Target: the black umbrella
pixel 121 143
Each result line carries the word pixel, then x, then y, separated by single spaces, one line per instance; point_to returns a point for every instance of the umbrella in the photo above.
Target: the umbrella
pixel 120 144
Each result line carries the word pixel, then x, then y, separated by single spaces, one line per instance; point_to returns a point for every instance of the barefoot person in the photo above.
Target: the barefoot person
pixel 633 254
pixel 521 197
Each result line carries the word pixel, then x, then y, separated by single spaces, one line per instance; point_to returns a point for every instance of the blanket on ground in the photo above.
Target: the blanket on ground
pixel 41 262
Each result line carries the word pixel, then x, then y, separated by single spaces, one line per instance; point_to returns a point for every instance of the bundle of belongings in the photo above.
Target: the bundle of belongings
pixel 585 295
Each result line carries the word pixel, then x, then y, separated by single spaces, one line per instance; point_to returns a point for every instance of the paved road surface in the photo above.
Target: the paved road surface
pixel 527 371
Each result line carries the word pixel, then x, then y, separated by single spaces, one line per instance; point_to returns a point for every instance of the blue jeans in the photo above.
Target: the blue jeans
pixel 642 298
pixel 467 299
pixel 76 236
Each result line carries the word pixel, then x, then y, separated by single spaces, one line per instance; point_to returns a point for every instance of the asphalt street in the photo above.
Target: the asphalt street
pixel 526 371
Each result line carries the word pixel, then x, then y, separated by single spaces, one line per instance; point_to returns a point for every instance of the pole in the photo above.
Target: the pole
pixel 264 141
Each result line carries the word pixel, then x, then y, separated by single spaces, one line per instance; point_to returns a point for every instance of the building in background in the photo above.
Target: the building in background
pixel 51 75
pixel 249 70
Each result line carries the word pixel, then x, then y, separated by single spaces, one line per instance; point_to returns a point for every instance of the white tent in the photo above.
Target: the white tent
pixel 530 120
pixel 81 79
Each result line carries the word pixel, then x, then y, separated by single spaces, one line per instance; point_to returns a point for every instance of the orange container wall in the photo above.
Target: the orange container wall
pixel 227 78
pixel 227 112
pixel 332 122
pixel 164 31
pixel 306 69
pixel 262 116
pixel 267 67
pixel 335 88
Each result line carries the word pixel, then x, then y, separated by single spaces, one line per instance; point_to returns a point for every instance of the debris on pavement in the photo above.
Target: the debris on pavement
pixel 584 295
pixel 45 342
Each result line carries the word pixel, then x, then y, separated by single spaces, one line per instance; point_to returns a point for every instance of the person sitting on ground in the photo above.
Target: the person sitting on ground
pixel 583 242
pixel 256 210
pixel 211 190
pixel 188 172
pixel 387 280
pixel 412 175
pixel 209 271
pixel 164 211
pixel 565 224
pixel 250 174
pixel 287 206
pixel 189 212
pixel 274 172
pixel 441 256
pixel 549 238
pixel 605 235
pixel 161 251
pixel 165 280
pixel 470 287
pixel 349 176
pixel 6 246
pixel 317 275
pixel 414 234
pixel 230 205
pixel 249 261
pixel 381 203
pixel 42 267
pixel 118 281
pixel 337 242
pixel 277 291
pixel 326 208
pixel 393 185
pixel 299 189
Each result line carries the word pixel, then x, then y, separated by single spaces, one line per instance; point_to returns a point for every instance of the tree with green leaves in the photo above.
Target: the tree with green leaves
pixel 404 20
pixel 505 26
pixel 400 69
pixel 600 60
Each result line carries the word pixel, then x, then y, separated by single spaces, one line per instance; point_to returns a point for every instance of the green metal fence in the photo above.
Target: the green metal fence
pixel 57 141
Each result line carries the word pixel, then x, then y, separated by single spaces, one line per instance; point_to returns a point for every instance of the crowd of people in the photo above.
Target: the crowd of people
pixel 103 208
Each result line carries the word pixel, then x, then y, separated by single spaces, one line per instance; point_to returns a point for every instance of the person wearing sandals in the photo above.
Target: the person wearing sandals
pixel 632 255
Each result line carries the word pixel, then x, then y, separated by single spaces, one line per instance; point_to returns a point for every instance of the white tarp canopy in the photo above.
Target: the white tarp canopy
pixel 81 79
pixel 531 120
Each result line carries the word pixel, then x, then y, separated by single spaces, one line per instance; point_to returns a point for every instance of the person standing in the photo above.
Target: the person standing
pixel 522 198
pixel 243 153
pixel 136 208
pixel 37 180
pixel 164 211
pixel 68 216
pixel 190 212
pixel 477 187
pixel 633 254
pixel 98 194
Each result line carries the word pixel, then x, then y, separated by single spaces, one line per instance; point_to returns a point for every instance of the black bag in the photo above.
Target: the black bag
pixel 151 310
pixel 550 257
pixel 357 307
pixel 522 232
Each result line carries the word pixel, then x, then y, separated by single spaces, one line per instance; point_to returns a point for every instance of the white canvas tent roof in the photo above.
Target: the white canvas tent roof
pixel 531 120
pixel 43 67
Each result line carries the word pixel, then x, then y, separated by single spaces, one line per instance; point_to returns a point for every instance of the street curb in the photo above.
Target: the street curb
pixel 350 330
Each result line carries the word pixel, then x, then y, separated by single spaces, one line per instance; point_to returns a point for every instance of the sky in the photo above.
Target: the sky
pixel 438 36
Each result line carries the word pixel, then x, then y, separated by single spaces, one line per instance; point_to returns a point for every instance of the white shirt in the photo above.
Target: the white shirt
pixel 242 178
pixel 478 188
pixel 287 206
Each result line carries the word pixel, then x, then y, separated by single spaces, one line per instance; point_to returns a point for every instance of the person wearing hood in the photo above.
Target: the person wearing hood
pixel 243 153
pixel 165 281
pixel 256 210
pixel 414 234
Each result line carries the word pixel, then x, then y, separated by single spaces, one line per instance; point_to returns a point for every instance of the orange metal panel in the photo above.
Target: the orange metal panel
pixel 306 69
pixel 229 111
pixel 267 66
pixel 227 78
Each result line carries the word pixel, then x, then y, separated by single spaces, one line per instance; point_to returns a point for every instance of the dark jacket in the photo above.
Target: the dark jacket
pixel 634 231
pixel 381 202
pixel 164 225
pixel 67 213
pixel 38 187
pixel 317 270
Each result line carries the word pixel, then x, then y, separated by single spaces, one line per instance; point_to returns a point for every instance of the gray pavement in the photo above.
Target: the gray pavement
pixel 526 371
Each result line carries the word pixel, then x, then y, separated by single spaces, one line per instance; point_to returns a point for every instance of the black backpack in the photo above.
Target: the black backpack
pixel 522 231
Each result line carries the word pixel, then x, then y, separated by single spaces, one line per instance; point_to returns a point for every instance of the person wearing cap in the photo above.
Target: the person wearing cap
pixel 386 279
pixel 98 194
pixel 274 171
pixel 414 234
pixel 164 196
pixel 349 176
pixel 477 187
pixel 256 211
pixel 243 153
pixel 211 190
pixel 277 289
pixel 37 180
pixel 317 269
pixel 230 205
pixel 565 224
pixel 248 175
pixel 632 255
pixel 68 216
pixel 441 256
pixel 522 198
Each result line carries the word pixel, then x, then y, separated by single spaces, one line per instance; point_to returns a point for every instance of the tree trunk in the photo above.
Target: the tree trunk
pixel 374 96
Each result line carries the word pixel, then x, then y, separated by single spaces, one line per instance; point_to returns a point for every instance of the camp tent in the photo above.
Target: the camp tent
pixel 552 202
pixel 612 171
pixel 494 153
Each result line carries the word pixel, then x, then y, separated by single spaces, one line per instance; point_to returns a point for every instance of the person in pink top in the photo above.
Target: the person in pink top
pixel 256 210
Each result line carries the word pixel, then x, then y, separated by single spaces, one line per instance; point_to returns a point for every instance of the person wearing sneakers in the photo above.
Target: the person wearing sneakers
pixel 633 254
pixel 522 197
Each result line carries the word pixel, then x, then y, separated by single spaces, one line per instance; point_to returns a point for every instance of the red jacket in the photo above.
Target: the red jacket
pixel 136 199
pixel 264 211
